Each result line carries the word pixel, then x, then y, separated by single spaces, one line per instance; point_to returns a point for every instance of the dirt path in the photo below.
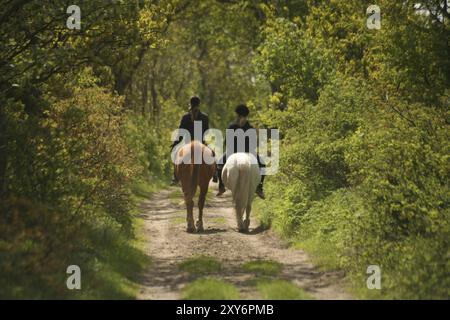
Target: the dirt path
pixel 169 244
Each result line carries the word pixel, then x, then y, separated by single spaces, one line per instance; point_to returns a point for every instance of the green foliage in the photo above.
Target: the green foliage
pixel 287 48
pixel 263 267
pixel 364 168
pixel 210 289
pixel 281 290
pixel 150 149
pixel 200 265
pixel 363 186
pixel 33 238
pixel 208 52
pixel 409 55
pixel 71 180
pixel 37 246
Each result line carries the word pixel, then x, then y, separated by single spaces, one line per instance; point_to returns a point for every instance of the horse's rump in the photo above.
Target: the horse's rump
pixel 241 175
pixel 187 170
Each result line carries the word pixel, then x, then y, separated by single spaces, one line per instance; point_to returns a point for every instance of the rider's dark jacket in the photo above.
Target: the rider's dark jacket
pixel 247 126
pixel 187 124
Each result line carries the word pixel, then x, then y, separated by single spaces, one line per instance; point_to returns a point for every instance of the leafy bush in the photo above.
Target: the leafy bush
pixel 364 185
pixel 364 165
pixel 36 245
pixel 70 182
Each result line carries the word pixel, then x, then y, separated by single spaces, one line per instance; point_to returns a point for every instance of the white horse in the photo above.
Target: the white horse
pixel 241 175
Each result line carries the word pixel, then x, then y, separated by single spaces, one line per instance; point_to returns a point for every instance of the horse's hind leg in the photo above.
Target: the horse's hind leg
pixel 190 213
pixel 239 216
pixel 201 205
pixel 247 217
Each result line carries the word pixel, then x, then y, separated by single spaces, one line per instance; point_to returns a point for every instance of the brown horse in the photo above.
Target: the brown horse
pixel 195 166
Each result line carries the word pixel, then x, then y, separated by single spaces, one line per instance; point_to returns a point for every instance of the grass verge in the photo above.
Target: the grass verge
pixel 119 260
pixel 200 265
pixel 263 267
pixel 280 290
pixel 210 289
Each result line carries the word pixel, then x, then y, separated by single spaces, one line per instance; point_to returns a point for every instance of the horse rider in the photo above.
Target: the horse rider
pixel 241 122
pixel 187 123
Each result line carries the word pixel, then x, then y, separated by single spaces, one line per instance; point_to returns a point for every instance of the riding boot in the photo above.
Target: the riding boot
pixel 259 189
pixel 262 180
pixel 174 181
pixel 221 185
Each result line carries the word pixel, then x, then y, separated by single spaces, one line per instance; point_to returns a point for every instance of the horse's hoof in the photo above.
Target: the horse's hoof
pixel 246 224
pixel 199 226
pixel 190 229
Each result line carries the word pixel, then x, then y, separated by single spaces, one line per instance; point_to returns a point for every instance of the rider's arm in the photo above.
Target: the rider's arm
pixel 206 123
pixel 182 125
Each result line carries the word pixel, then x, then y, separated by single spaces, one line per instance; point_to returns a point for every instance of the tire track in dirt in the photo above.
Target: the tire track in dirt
pixel 168 244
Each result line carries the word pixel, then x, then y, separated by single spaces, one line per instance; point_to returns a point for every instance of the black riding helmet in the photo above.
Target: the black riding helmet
pixel 242 110
pixel 195 102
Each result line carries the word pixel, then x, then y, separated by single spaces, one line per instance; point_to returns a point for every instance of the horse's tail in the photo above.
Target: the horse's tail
pixel 194 170
pixel 244 183
pixel 237 178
